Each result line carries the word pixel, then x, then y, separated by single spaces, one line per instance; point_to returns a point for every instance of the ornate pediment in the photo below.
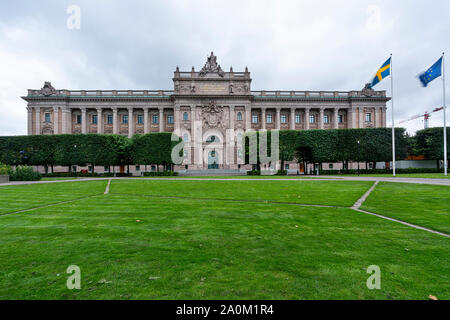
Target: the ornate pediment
pixel 47 89
pixel 213 116
pixel 212 66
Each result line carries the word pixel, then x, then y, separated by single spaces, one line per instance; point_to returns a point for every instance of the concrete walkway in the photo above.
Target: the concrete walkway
pixel 442 182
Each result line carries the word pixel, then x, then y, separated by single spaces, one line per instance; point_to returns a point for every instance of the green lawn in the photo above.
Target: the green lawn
pixel 425 205
pixel 132 244
pixel 337 193
pixel 401 175
pixel 20 197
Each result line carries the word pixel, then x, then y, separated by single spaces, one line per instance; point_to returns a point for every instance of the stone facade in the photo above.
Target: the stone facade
pixel 203 104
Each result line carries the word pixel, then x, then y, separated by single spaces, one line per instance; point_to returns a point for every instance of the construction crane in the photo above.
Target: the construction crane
pixel 426 117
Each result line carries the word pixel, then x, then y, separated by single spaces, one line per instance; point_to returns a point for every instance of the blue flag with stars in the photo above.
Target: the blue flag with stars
pixel 432 73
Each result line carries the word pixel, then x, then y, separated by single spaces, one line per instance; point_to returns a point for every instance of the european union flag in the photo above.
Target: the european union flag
pixel 383 72
pixel 432 73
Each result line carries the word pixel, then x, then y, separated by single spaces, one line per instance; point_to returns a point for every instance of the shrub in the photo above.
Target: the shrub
pixel 254 173
pixel 160 174
pixel 4 169
pixel 281 173
pixel 24 173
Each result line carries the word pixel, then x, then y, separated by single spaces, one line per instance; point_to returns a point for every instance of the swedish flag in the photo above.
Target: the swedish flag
pixel 383 72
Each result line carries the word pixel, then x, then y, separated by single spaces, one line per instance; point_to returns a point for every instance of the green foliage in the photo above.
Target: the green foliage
pixel 23 173
pixel 254 173
pixel 381 171
pixel 337 145
pixel 281 173
pixel 160 174
pixel 4 169
pixel 430 143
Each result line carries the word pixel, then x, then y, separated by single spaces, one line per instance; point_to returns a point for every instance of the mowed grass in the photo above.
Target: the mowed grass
pixel 20 197
pixel 133 246
pixel 334 193
pixel 400 175
pixel 425 205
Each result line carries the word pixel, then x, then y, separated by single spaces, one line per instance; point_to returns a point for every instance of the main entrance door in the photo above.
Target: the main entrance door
pixel 213 160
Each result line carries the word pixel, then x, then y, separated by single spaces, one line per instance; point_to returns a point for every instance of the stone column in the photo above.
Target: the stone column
pixel 377 123
pixel 161 119
pixel 277 119
pixel 383 117
pixel 30 121
pixel 55 120
pixel 176 119
pixel 351 123
pixel 194 145
pixel 130 122
pixel 292 119
pixel 115 121
pixel 231 144
pixel 248 116
pixel 146 127
pixel 321 110
pixel 361 117
pixel 336 118
pixel 63 121
pixel 307 118
pixel 263 118
pixel 83 121
pixel 37 111
pixel 99 121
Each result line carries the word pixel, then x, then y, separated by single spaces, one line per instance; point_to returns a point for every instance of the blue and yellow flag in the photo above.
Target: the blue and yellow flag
pixel 382 73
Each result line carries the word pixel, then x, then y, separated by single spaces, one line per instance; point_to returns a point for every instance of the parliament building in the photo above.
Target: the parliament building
pixel 210 109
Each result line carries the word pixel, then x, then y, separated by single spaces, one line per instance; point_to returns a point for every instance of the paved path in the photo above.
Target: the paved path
pixel 442 182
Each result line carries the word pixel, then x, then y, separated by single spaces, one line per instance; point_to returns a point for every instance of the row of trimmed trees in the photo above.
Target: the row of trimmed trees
pixel 342 145
pixel 86 149
pixel 312 146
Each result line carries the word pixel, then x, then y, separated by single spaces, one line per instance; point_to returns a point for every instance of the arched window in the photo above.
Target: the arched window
pixel 212 139
pixel 239 116
pixel 185 138
pixel 185 116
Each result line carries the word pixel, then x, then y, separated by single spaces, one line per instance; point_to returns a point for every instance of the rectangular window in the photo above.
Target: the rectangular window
pixel 94 119
pixel 138 168
pixel 254 118
pixel 311 118
pixel 286 166
pixel 368 117
pixel 269 118
pixel 297 118
pixel 185 116
pixel 110 119
pixel 330 166
pixel 341 118
pixel 106 168
pixel 153 168
pixel 326 119
pixel 283 118
pixel 170 119
pixel 140 119
pixel 47 116
pixel 155 119
pixel 78 118
pixel 125 119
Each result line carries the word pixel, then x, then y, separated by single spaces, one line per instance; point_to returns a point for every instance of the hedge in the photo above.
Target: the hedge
pixel 336 145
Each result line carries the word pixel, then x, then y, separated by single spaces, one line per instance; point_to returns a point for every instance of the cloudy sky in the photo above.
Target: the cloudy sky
pixel 287 45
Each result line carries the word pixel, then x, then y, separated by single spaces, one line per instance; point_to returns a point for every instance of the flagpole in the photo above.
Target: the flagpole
pixel 445 120
pixel 393 125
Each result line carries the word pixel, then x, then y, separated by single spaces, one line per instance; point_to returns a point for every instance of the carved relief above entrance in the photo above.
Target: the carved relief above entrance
pixel 213 116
